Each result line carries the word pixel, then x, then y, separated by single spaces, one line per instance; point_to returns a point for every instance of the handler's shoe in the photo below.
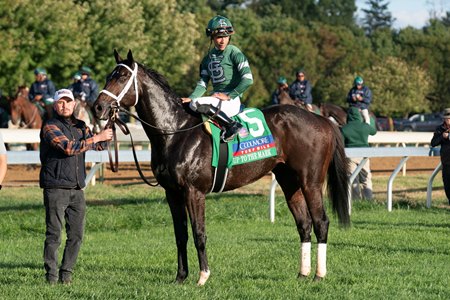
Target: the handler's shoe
pixel 65 278
pixel 51 279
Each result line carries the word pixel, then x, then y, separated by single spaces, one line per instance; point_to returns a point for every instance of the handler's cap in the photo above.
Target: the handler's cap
pixel 63 93
pixel 446 114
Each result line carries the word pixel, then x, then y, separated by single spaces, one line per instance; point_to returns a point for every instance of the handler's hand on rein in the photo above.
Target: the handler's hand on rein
pixel 186 100
pixel 104 135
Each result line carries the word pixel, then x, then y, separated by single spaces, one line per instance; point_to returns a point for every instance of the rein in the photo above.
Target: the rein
pixel 113 119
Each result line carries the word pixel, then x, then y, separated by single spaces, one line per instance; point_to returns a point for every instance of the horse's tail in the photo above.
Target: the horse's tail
pixel 338 180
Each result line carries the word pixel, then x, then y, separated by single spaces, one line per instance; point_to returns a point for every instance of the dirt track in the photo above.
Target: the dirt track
pixel 19 175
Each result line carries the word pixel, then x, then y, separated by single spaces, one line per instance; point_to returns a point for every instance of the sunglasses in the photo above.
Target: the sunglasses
pixel 221 30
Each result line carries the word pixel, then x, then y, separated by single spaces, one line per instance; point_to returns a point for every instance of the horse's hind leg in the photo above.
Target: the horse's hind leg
pixel 289 183
pixel 179 217
pixel 313 199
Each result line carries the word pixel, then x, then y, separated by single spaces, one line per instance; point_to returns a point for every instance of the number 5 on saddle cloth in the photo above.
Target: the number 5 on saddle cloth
pixel 253 142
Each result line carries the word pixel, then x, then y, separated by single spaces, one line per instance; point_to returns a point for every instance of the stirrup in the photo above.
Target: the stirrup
pixel 226 139
pixel 234 130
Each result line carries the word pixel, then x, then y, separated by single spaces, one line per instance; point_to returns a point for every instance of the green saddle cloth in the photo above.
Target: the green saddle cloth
pixel 253 142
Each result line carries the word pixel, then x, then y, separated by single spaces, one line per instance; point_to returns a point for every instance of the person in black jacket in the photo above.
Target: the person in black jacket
pixel 441 137
pixel 64 142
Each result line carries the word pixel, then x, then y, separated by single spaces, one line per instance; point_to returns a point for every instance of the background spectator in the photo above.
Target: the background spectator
pixel 441 137
pixel 356 134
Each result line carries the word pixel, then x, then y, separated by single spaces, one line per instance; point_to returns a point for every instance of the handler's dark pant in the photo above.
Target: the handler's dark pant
pixel 446 180
pixel 68 204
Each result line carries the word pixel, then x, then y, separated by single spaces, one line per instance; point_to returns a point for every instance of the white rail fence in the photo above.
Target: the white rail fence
pixel 385 144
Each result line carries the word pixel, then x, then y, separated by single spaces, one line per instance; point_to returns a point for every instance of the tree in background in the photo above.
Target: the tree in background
pixel 392 94
pixel 32 36
pixel 429 48
pixel 377 16
pixel 335 12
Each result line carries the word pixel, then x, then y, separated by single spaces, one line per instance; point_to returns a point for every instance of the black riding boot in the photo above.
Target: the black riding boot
pixel 231 127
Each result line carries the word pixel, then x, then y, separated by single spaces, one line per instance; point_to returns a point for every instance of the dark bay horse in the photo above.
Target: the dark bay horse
pixel 309 148
pixel 24 113
pixel 338 114
pixel 284 98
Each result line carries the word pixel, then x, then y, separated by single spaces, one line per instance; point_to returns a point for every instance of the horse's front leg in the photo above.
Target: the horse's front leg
pixel 179 217
pixel 195 202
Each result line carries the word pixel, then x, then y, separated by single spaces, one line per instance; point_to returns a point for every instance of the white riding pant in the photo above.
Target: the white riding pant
pixel 230 107
pixel 365 114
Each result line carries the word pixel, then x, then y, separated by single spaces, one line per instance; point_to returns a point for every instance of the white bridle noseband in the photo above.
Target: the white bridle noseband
pixel 133 78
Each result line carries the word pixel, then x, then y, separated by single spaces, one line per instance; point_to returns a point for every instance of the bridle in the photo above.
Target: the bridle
pixel 115 106
pixel 113 119
pixel 131 80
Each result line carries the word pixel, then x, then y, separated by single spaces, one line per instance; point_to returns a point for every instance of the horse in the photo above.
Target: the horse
pixel 285 99
pixel 338 114
pixel 82 112
pixel 24 113
pixel 308 146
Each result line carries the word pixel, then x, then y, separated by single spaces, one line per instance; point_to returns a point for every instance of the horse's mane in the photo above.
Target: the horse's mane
pixel 160 79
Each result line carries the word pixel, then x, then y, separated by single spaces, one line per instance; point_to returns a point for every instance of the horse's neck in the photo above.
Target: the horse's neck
pixel 163 110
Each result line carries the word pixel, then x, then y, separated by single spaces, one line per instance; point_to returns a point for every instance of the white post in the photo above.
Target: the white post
pixel 430 184
pixel 391 181
pixel 273 185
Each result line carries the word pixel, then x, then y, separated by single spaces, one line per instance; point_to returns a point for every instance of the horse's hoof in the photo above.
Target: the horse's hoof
pixel 318 278
pixel 301 276
pixel 180 279
pixel 204 275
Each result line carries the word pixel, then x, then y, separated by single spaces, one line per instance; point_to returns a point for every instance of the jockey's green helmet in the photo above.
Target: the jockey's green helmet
pixel 40 70
pixel 358 80
pixel 85 70
pixel 219 26
pixel 281 80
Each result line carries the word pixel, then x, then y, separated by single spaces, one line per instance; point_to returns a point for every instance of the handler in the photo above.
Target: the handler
pixel 64 141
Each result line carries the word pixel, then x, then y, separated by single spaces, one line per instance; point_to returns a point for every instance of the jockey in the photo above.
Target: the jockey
pixel 282 84
pixel 228 69
pixel 360 96
pixel 88 86
pixel 75 87
pixel 42 91
pixel 300 90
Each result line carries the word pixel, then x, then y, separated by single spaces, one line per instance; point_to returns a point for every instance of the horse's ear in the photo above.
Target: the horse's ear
pixel 130 56
pixel 117 56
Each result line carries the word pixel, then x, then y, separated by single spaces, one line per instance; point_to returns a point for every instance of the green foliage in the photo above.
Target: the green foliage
pixel 38 34
pixel 277 36
pixel 377 16
pixel 429 48
pixel 393 95
pixel 335 12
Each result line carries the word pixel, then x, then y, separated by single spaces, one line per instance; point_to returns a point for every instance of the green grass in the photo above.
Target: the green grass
pixel 129 249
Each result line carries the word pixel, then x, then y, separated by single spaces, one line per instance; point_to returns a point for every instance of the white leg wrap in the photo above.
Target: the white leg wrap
pixel 204 275
pixel 305 263
pixel 321 260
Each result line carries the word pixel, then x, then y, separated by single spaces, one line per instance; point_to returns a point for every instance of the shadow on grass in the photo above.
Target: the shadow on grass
pixel 115 202
pixel 389 249
pixel 15 265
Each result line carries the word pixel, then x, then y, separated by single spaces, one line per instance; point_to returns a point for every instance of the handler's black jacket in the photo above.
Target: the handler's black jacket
pixel 64 143
pixel 445 144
